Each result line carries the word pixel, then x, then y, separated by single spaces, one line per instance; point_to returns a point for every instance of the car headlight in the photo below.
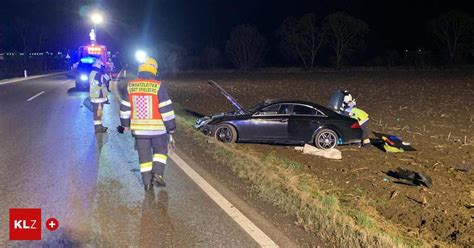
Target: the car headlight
pixel 84 77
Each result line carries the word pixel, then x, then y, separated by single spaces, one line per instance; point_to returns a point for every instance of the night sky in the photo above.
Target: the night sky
pixel 193 24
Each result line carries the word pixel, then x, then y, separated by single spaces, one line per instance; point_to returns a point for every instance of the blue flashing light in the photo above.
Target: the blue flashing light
pixel 87 60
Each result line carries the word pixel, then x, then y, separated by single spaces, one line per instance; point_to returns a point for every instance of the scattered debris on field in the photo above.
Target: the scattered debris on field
pixel 463 168
pixel 410 177
pixel 329 153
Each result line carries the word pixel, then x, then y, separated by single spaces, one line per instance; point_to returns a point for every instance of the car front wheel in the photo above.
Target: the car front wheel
pixel 325 139
pixel 225 133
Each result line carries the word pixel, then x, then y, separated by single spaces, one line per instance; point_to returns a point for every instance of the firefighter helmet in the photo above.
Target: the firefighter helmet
pixel 98 63
pixel 347 96
pixel 150 65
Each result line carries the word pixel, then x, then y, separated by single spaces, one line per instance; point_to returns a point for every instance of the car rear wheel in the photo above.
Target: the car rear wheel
pixel 325 139
pixel 225 133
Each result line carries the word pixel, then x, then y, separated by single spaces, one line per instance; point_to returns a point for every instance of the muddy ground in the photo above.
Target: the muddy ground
pixel 433 111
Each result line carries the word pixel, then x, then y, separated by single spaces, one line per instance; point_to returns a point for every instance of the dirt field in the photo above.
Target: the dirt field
pixel 432 111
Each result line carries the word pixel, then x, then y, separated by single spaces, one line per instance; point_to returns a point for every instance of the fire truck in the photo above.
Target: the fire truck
pixel 86 57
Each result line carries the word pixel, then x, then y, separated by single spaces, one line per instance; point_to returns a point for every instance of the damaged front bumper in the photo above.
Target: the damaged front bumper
pixel 203 125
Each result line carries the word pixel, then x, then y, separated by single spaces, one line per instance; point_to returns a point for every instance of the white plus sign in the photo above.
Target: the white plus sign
pixel 51 224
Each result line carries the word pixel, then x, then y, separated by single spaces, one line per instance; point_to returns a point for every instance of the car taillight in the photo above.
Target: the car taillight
pixel 355 125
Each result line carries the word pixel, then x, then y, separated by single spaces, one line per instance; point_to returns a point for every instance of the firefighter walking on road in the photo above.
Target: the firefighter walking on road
pixel 147 110
pixel 98 95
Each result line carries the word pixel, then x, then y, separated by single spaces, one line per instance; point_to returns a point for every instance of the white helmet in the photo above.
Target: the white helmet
pixel 98 63
pixel 347 98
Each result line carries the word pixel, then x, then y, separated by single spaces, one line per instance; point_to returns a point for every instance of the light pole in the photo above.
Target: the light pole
pixel 96 18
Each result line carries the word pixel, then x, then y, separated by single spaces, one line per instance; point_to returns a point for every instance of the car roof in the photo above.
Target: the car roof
pixel 277 101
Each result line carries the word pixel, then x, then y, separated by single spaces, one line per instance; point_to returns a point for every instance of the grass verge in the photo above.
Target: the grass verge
pixel 287 185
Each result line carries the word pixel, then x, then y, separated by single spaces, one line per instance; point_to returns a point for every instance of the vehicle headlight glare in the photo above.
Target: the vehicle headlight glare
pixel 83 77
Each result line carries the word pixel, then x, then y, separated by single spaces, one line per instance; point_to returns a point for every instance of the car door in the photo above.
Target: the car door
pixel 268 124
pixel 304 120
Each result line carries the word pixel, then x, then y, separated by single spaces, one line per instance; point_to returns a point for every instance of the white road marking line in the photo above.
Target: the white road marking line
pixel 35 96
pixel 249 227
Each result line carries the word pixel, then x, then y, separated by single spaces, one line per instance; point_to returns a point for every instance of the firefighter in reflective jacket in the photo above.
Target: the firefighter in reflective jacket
pixel 146 110
pixel 97 94
pixel 350 109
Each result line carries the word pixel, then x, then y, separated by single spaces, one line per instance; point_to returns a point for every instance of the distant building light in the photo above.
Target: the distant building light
pixel 22 54
pixel 406 50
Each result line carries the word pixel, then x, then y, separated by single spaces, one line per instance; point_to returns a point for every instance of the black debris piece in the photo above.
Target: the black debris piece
pixel 410 177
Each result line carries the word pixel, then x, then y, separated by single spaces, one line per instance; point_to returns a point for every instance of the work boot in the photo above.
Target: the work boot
pixel 101 129
pixel 158 180
pixel 149 187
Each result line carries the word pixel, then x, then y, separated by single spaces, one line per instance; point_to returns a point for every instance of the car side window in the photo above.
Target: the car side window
pixel 284 109
pixel 270 110
pixel 303 110
pixel 320 113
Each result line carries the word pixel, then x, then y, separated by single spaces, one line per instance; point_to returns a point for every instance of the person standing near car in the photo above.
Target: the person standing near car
pixel 147 110
pixel 349 107
pixel 97 94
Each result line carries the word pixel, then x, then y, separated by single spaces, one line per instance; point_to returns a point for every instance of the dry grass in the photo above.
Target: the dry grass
pixel 285 184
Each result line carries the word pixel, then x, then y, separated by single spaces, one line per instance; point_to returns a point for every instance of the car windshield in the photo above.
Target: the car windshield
pixel 256 107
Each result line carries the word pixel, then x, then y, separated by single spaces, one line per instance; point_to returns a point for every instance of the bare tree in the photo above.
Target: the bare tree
pixel 345 34
pixel 211 57
pixel 3 35
pixel 301 38
pixel 392 58
pixel 454 31
pixel 246 47
pixel 22 28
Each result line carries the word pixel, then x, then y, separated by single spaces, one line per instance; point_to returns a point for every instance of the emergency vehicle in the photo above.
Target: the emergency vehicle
pixel 86 57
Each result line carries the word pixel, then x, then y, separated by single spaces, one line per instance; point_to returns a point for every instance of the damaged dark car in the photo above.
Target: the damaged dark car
pixel 281 122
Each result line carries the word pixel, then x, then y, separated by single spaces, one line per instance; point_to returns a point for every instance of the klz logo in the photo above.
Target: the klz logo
pixel 25 224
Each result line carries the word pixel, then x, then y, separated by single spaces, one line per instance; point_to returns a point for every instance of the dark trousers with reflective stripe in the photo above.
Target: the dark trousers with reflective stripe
pixel 365 133
pixel 152 155
pixel 97 109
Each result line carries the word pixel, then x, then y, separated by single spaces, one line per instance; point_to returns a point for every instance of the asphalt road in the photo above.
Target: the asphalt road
pixel 51 159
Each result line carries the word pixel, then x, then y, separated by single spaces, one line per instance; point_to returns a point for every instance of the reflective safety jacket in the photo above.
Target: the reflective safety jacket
pixel 361 116
pixel 97 87
pixel 147 108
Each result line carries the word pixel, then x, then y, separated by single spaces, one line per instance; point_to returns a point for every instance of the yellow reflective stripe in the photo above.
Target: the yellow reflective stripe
pixel 361 122
pixel 146 166
pixel 123 102
pixel 165 103
pixel 146 127
pixel 98 100
pixel 147 122
pixel 124 114
pixel 149 132
pixel 160 158
pixel 360 114
pixel 167 114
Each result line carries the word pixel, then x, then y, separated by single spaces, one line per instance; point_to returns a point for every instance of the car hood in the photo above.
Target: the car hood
pixel 238 108
pixel 203 121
